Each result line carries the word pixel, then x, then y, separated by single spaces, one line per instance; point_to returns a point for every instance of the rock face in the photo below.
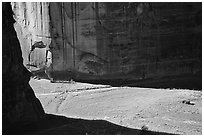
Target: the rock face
pixel 32 25
pixel 133 40
pixel 19 104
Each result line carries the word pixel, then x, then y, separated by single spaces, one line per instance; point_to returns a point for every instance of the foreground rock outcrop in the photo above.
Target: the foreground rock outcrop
pixel 19 104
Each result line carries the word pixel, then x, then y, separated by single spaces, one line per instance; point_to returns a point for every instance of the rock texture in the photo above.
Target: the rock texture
pixel 32 25
pixel 19 104
pixel 132 40
pixel 150 39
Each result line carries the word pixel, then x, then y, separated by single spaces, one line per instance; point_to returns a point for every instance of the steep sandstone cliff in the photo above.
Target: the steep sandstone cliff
pixel 132 40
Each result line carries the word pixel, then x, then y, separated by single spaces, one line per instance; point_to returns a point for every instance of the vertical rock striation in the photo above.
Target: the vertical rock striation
pixel 32 25
pixel 130 40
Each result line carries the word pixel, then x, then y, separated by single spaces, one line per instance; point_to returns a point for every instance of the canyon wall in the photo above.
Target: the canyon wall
pixel 118 40
pixel 151 39
pixel 32 25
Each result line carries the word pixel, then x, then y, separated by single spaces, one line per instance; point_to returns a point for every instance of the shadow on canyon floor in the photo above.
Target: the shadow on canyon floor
pixel 183 81
pixel 60 125
pixel 193 82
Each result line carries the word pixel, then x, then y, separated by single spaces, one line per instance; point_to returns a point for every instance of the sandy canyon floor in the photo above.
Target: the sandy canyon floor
pixel 176 111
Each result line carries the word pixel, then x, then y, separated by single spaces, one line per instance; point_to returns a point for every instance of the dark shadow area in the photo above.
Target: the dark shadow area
pixel 20 106
pixel 40 74
pixel 183 81
pixel 193 82
pixel 60 125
